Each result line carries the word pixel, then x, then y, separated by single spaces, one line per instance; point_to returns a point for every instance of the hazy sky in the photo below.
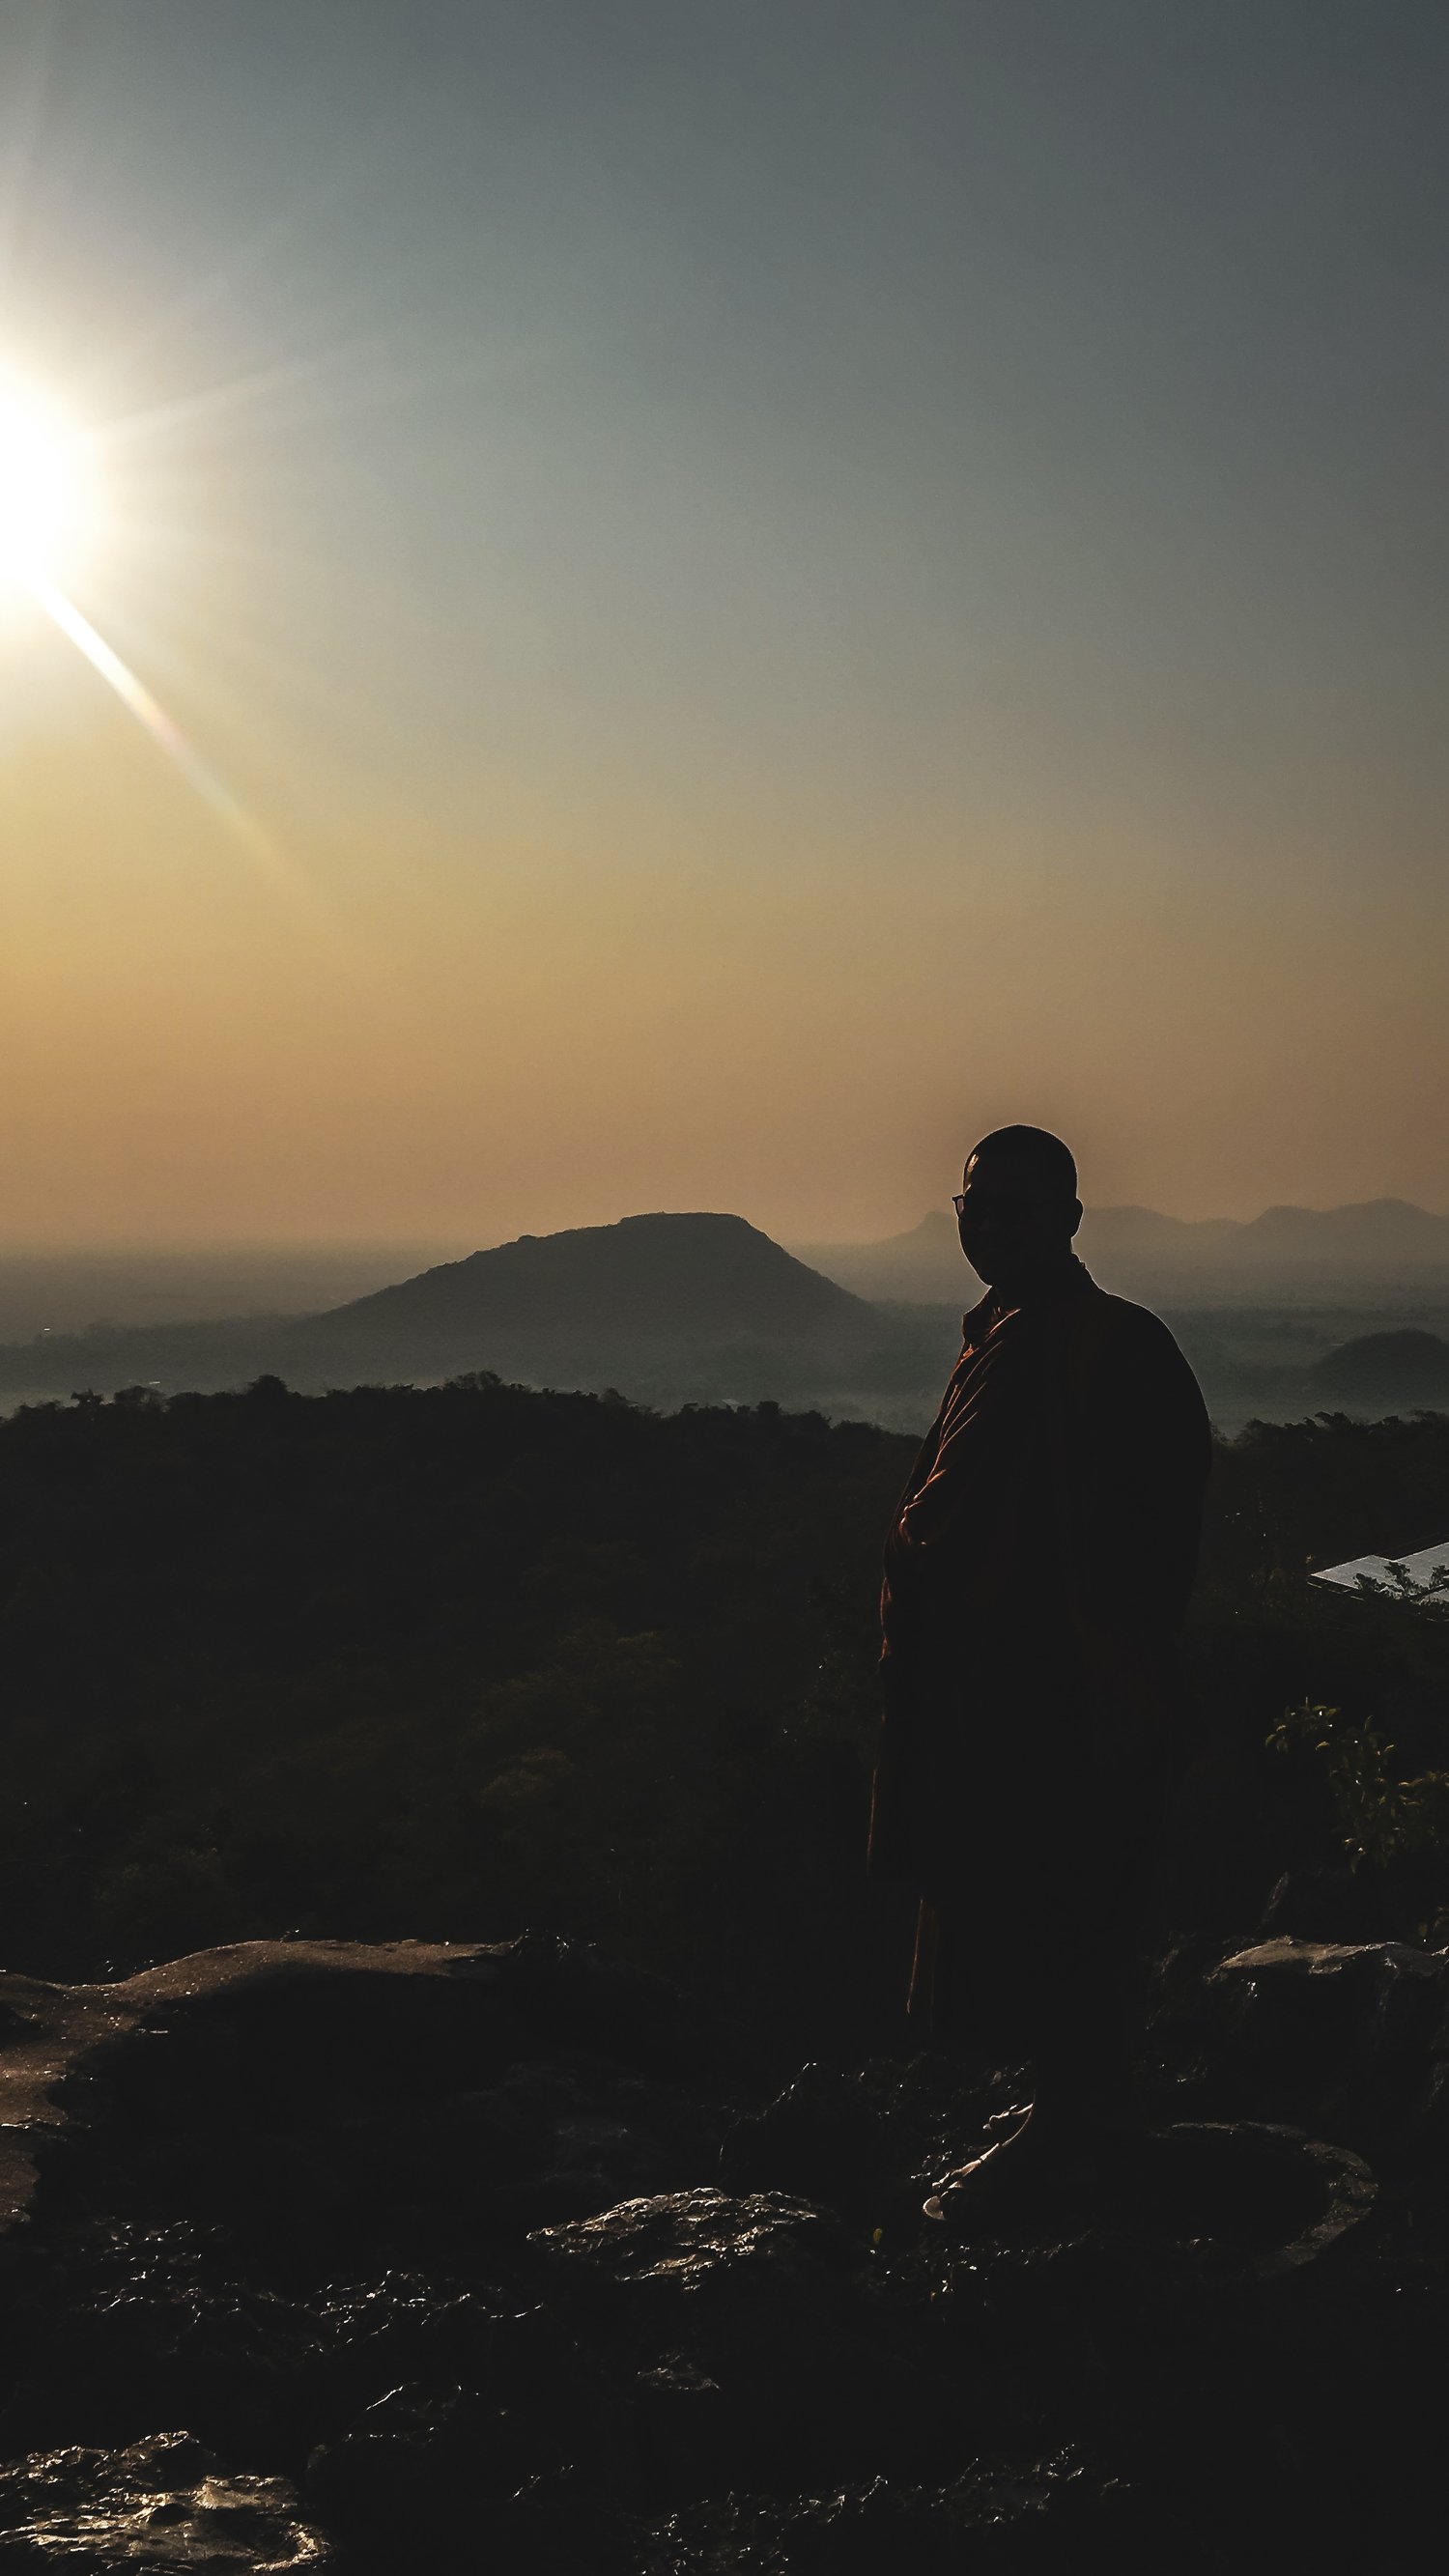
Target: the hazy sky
pixel 773 582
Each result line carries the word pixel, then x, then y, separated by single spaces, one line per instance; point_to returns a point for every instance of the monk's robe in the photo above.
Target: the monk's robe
pixel 1036 1577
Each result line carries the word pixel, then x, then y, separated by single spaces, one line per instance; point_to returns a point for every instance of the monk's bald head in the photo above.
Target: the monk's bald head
pixel 1018 1208
pixel 1034 1150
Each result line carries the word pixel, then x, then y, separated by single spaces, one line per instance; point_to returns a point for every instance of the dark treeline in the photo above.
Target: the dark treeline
pixel 447 1661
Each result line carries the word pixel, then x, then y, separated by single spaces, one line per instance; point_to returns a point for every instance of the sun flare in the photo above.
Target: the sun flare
pixel 44 490
pixel 49 516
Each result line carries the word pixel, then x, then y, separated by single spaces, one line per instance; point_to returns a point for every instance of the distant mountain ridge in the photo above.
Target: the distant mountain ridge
pixel 1139 1251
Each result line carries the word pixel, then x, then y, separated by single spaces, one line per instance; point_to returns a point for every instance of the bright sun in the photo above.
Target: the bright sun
pixel 52 508
pixel 42 490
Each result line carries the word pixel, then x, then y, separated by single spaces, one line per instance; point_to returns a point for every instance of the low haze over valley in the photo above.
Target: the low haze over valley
pixel 705 1308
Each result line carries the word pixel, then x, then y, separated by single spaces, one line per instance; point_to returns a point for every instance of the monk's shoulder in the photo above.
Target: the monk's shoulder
pixel 1126 1321
pixel 1131 1337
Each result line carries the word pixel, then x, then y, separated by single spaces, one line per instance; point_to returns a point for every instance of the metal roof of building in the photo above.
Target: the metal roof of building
pixel 1422 1567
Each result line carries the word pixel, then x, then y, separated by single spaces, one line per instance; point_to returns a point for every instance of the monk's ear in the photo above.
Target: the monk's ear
pixel 1076 1215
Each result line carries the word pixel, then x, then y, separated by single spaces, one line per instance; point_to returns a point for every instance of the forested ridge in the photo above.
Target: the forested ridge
pixel 449 1661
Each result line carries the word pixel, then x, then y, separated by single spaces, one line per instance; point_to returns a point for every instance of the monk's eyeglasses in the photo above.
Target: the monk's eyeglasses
pixel 998 1202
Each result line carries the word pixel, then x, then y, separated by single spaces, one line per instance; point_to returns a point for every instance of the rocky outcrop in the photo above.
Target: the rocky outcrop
pixel 336 2054
pixel 161 2504
pixel 698 2244
pixel 1350 2034
pixel 452 2256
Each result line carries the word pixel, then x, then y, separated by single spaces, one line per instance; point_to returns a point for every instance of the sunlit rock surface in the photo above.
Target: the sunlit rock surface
pixel 160 2504
pixel 1351 2034
pixel 688 2241
pixel 453 2257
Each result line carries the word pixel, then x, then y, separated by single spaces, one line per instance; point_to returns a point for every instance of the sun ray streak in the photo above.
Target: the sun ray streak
pixel 247 392
pixel 163 729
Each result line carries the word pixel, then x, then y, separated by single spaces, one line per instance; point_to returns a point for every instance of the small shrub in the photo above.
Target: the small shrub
pixel 1382 1819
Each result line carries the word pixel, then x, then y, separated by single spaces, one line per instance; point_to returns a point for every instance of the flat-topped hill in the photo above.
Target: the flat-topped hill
pixel 662 1279
pixel 691 1308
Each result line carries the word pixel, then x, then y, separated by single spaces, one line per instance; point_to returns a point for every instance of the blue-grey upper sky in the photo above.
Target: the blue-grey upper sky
pixel 779 581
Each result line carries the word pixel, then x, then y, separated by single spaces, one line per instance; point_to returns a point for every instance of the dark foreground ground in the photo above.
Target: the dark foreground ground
pixel 389 2239
pixel 477 2258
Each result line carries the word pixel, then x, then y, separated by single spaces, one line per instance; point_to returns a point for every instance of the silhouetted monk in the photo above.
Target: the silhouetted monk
pixel 1037 1573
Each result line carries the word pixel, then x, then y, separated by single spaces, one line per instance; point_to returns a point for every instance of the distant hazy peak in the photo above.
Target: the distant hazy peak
pixel 1140 1251
pixel 1407 1367
pixel 1369 1216
pixel 1129 1217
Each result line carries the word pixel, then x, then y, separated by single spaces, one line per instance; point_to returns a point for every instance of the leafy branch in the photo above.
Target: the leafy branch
pixel 1381 1818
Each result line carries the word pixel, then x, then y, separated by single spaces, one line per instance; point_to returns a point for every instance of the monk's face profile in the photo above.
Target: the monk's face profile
pixel 1016 1224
